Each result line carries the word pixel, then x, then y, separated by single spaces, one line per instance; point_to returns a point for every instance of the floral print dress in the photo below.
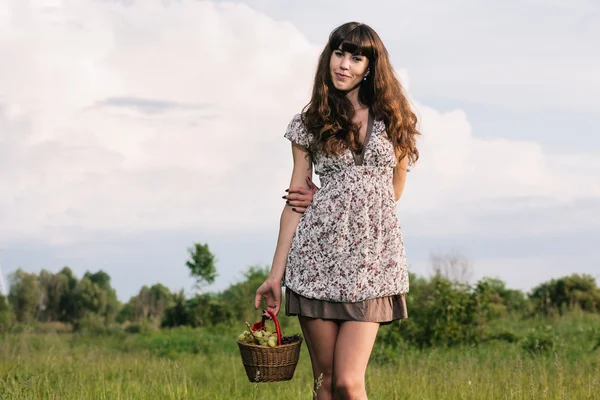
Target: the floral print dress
pixel 348 245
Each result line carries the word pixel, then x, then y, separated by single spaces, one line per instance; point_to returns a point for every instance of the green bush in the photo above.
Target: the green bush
pixel 7 321
pixel 239 297
pixel 441 313
pixel 539 344
pixel 506 336
pixel 234 305
pixel 499 301
pixel 144 326
pixel 448 313
pixel 559 295
pixel 7 317
pixel 53 327
pixel 90 323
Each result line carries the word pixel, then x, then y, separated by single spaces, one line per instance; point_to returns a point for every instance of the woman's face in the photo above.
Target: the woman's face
pixel 347 70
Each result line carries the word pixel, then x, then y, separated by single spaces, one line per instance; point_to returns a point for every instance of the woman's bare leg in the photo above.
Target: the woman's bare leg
pixel 353 348
pixel 320 336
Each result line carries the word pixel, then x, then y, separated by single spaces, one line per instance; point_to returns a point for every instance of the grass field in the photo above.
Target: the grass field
pixel 205 364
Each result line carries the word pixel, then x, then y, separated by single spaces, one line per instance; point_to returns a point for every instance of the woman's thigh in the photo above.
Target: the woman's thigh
pixel 353 348
pixel 320 336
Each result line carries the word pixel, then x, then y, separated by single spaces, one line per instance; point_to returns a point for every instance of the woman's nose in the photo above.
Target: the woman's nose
pixel 345 64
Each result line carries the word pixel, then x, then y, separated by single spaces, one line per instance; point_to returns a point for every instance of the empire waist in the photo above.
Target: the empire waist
pixel 373 184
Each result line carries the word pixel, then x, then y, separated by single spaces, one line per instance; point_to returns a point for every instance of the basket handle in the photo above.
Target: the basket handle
pixel 261 324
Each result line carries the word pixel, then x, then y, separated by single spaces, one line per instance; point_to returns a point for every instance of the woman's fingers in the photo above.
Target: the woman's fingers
pixel 257 299
pixel 298 203
pixel 297 196
pixel 299 190
pixel 299 199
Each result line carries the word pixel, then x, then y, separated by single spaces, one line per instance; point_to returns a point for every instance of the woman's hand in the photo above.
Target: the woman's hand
pixel 271 291
pixel 300 198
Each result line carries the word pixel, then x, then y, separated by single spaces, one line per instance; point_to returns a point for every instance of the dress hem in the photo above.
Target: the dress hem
pixel 383 310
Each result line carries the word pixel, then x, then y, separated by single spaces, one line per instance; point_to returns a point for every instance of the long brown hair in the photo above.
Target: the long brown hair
pixel 329 113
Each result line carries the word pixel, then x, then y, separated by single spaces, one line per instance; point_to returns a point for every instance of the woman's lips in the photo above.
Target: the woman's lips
pixel 342 77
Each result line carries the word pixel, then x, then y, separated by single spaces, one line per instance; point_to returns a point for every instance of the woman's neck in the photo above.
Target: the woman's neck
pixel 353 97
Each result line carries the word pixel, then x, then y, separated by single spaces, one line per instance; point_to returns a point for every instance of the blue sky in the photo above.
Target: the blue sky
pixel 130 130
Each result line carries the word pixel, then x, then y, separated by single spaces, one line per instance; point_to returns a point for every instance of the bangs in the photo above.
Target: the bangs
pixel 356 41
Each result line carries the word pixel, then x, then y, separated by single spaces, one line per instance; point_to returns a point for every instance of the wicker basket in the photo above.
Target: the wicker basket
pixel 270 364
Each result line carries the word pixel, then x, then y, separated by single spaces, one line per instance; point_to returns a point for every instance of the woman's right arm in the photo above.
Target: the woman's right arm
pixel 289 219
pixel 299 198
pixel 270 290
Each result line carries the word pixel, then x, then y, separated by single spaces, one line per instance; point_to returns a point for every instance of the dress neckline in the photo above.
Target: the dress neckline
pixel 359 158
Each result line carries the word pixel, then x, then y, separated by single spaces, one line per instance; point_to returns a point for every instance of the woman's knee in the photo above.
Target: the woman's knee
pixel 348 387
pixel 324 382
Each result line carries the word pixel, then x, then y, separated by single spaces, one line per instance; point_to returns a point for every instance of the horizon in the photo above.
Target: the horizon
pixel 452 272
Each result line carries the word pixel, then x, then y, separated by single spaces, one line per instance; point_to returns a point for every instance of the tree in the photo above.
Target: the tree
pixel 67 296
pixel 149 304
pixel 95 301
pixel 177 314
pixel 233 304
pixel 127 312
pixel 7 318
pixel 161 299
pixel 24 295
pixel 240 296
pixel 53 288
pixel 4 306
pixel 111 307
pixel 501 299
pixel 202 265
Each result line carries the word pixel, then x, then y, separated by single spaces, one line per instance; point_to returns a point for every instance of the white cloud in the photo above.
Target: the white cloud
pixel 458 168
pixel 141 117
pixel 153 116
pixel 467 185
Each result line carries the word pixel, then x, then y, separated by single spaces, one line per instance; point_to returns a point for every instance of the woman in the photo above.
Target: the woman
pixel 341 257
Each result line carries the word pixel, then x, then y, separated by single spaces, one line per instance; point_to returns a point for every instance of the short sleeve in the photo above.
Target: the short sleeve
pixel 296 131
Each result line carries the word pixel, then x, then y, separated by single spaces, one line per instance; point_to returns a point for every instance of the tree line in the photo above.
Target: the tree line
pixel 444 309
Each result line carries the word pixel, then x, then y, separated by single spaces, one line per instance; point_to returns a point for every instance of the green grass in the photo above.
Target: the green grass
pixel 205 364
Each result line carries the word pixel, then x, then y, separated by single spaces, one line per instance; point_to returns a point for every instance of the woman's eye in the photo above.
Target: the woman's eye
pixel 338 53
pixel 357 59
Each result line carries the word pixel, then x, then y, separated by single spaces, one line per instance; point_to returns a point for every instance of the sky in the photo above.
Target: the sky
pixel 130 130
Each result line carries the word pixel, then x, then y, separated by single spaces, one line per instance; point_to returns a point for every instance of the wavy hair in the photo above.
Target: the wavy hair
pixel 329 113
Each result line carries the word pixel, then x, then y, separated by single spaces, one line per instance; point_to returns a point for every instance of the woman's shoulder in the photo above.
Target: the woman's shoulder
pixel 297 132
pixel 298 118
pixel 297 123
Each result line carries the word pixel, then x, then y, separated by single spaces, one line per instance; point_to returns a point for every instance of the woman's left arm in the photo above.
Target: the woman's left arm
pixel 400 177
